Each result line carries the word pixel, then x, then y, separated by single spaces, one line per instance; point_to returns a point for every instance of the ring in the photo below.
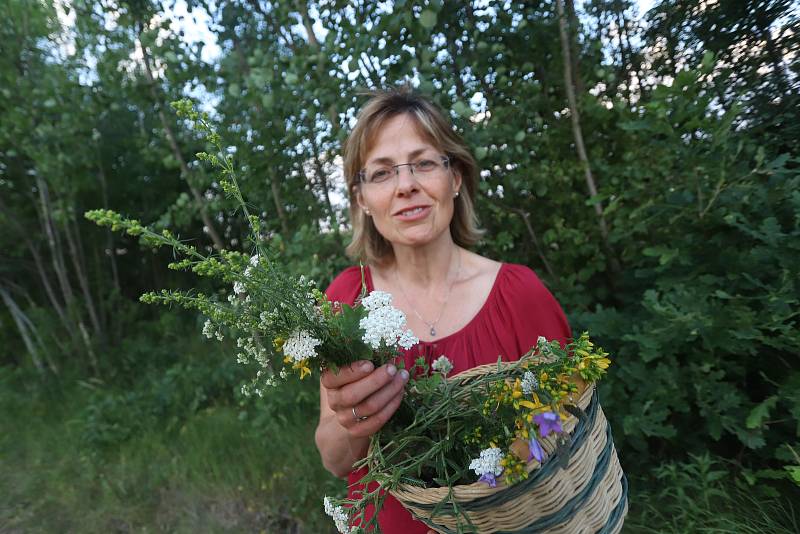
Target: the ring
pixel 358 419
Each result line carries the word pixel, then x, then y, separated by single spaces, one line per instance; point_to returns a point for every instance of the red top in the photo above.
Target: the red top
pixel 517 311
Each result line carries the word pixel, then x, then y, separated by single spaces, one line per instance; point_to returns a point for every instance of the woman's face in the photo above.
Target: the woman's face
pixel 408 210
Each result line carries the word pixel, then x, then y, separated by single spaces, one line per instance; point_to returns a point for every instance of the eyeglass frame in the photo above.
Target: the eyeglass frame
pixel 362 174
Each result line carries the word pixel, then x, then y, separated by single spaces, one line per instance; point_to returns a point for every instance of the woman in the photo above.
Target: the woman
pixel 412 182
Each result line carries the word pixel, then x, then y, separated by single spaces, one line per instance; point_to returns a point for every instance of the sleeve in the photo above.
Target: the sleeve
pixel 346 287
pixel 534 310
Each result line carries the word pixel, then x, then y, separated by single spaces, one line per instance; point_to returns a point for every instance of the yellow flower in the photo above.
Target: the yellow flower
pixel 302 367
pixel 517 389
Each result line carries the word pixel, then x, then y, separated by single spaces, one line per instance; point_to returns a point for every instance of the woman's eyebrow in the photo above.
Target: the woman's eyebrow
pixel 389 161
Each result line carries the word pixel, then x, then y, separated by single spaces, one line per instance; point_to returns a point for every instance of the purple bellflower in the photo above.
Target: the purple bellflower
pixel 489 478
pixel 536 450
pixel 548 422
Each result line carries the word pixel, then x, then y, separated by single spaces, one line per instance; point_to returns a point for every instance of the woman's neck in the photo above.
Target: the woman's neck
pixel 425 267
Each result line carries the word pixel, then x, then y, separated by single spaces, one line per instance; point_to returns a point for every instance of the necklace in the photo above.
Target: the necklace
pixel 432 325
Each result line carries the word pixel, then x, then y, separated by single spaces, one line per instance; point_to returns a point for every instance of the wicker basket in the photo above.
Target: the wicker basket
pixel 588 495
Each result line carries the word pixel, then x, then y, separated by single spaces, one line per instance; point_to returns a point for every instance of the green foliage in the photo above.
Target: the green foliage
pixel 693 147
pixel 706 325
pixel 701 495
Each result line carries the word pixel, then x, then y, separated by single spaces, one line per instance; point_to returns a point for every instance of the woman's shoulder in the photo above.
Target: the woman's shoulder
pixel 346 286
pixel 520 278
pixel 520 284
pixel 523 291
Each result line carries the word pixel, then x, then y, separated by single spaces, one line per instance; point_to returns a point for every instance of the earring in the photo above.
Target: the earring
pixel 456 195
pixel 366 212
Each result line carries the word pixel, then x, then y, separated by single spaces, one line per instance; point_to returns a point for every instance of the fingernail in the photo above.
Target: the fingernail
pixel 391 369
pixel 404 375
pixel 367 367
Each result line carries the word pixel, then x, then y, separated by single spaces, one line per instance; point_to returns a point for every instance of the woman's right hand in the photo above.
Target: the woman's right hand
pixel 372 394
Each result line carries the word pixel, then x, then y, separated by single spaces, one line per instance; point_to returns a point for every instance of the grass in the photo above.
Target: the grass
pixel 230 467
pixel 216 472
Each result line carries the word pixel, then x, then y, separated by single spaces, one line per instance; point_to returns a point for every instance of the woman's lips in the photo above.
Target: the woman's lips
pixel 413 213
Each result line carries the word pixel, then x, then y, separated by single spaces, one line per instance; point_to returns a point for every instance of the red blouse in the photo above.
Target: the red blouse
pixel 517 311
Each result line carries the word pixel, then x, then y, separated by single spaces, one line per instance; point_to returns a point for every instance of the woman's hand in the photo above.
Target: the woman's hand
pixel 361 391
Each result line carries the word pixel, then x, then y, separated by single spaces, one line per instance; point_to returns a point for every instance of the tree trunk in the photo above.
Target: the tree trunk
pixel 578 134
pixel 176 151
pixel 54 243
pixel 80 272
pixel 574 48
pixel 40 270
pixel 17 314
pixel 109 234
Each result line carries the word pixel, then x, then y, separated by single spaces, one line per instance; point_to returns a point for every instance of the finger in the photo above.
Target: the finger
pixel 351 394
pixel 374 423
pixel 346 374
pixel 375 402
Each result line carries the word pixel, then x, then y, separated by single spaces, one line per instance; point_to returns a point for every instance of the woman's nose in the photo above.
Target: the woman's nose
pixel 406 181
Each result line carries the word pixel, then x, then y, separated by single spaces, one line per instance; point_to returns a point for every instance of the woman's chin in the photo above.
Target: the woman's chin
pixel 417 239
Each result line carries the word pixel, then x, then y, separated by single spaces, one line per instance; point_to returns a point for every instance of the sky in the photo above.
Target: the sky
pixel 195 26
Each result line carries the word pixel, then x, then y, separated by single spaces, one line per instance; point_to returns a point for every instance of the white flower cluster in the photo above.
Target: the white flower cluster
pixel 442 364
pixel 488 463
pixel 376 300
pixel 301 346
pixel 529 383
pixel 209 331
pixel 385 323
pixel 253 263
pixel 251 349
pixel 338 514
pixel 238 288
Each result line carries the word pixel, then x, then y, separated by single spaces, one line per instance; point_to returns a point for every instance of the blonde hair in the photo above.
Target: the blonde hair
pixel 368 245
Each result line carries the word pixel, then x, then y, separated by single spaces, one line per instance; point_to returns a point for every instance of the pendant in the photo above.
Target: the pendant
pixel 433 332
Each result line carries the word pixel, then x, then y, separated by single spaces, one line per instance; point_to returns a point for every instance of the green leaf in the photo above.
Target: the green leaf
pixel 462 108
pixel 794 473
pixel 520 136
pixel 481 152
pixel 761 412
pixel 428 19
pixel 234 90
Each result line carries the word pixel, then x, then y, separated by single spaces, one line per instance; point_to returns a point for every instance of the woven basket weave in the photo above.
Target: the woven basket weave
pixel 589 495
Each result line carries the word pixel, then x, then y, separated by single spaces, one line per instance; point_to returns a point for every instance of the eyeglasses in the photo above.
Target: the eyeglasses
pixel 422 169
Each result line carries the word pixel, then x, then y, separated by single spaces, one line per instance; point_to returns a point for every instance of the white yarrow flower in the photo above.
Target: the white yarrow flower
pixel 488 463
pixel 377 299
pixel 529 383
pixel 338 515
pixel 407 339
pixel 301 346
pixel 442 364
pixel 238 288
pixel 208 329
pixel 385 324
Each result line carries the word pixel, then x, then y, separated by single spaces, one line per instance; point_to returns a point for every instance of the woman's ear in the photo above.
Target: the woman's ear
pixel 456 182
pixel 360 199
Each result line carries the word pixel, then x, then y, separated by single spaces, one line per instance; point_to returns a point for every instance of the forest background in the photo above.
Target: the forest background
pixel 646 165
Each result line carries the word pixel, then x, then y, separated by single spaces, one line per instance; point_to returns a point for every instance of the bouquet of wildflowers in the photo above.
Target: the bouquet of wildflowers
pixel 449 430
pixel 283 324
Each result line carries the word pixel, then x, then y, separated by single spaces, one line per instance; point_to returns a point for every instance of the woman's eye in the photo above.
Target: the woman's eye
pixel 380 175
pixel 426 165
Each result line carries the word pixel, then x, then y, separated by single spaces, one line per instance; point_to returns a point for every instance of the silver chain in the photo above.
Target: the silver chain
pixel 432 325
